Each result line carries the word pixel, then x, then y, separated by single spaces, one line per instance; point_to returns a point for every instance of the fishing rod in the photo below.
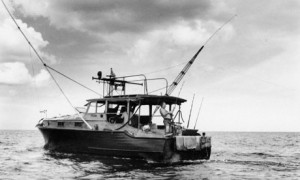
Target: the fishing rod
pixel 198 112
pixel 191 112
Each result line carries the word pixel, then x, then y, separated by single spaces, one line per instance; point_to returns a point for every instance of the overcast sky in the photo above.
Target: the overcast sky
pixel 248 73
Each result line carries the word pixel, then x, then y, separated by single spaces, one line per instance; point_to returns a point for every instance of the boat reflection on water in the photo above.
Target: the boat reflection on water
pixel 94 167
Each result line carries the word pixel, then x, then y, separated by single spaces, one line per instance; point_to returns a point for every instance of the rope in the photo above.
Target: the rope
pixel 71 79
pixel 167 68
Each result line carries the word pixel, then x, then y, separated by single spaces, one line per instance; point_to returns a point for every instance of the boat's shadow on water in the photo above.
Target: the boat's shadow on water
pixel 112 164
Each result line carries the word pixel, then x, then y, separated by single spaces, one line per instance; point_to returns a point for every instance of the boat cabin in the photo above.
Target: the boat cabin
pixel 140 110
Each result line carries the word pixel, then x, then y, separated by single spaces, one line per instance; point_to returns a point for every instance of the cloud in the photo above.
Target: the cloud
pixel 173 43
pixel 141 31
pixel 16 73
pixel 41 79
pixel 15 52
pixel 117 16
pixel 13 46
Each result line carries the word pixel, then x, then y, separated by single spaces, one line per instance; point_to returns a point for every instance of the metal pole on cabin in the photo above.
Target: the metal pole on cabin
pixel 139 118
pixel 191 111
pixel 179 111
pixel 198 112
pixel 128 109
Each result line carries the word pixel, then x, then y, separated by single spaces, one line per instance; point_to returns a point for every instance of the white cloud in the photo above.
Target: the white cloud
pixel 175 41
pixel 15 52
pixel 13 46
pixel 16 73
pixel 42 78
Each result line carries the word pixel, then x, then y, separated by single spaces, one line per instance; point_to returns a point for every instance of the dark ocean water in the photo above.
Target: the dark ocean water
pixel 234 156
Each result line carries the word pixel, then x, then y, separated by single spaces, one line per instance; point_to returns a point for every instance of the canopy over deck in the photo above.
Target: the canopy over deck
pixel 144 99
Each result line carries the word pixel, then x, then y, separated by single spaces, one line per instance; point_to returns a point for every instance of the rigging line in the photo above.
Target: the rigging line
pixel 71 79
pixel 158 89
pixel 219 29
pixel 22 33
pixel 76 111
pixel 167 68
pixel 180 89
pixel 37 54
pixel 34 80
pixel 167 87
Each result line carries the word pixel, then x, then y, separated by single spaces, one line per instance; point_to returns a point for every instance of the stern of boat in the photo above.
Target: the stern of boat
pixel 180 148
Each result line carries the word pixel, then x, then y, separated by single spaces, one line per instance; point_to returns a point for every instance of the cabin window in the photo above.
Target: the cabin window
pixel 100 107
pixel 144 114
pixel 92 107
pixel 145 110
pixel 78 124
pixel 60 124
pixel 96 107
pixel 113 108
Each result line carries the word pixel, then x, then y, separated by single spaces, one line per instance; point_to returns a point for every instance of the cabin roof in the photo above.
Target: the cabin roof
pixel 145 99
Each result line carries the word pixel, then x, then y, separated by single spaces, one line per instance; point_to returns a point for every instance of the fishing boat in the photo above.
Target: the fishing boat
pixel 100 130
pixel 122 125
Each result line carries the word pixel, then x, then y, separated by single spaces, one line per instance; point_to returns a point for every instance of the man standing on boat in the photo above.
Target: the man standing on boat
pixel 167 118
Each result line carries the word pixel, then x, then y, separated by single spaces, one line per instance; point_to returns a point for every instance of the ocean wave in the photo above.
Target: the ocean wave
pixel 264 154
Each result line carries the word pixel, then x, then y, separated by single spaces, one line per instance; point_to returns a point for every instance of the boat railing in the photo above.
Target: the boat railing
pixel 156 79
pixel 113 82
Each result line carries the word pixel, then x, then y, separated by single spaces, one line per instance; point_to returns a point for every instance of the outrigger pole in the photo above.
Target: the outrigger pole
pixel 189 64
pixel 182 73
pixel 48 67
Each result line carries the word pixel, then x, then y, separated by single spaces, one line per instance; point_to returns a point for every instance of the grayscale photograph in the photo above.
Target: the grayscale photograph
pixel 149 89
